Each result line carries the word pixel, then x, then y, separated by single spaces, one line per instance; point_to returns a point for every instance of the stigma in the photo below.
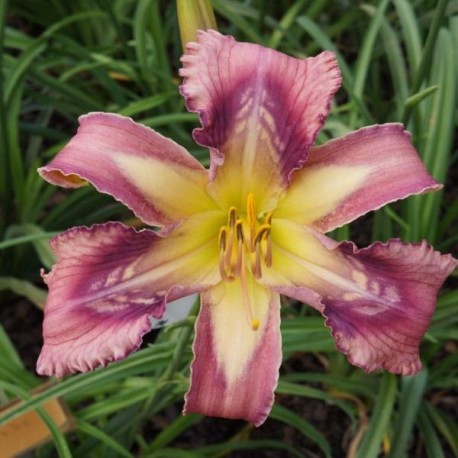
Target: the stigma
pixel 245 248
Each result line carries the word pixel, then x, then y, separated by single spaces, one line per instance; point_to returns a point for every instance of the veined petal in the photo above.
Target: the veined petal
pixel 353 175
pixel 108 284
pixel 156 178
pixel 260 112
pixel 385 332
pixel 235 368
pixel 378 301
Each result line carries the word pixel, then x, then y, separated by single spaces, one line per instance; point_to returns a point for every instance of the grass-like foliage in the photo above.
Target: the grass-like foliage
pixel 60 59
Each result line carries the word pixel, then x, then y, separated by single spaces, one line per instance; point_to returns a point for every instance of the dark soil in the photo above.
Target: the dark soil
pixel 22 322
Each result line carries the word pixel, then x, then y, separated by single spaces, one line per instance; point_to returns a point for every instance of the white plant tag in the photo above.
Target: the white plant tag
pixel 175 311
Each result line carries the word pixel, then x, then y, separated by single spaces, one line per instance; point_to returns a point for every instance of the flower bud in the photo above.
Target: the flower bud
pixel 194 15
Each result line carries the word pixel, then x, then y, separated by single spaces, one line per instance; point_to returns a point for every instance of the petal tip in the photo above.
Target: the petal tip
pixel 380 324
pixel 357 356
pixel 65 359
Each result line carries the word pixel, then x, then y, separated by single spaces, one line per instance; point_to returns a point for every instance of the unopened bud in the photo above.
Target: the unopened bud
pixel 194 15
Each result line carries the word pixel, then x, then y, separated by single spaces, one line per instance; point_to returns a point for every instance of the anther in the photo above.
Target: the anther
pixel 223 265
pixel 238 264
pixel 232 217
pixel 225 248
pixel 239 230
pixel 222 239
pixel 241 237
pixel 268 218
pixel 262 233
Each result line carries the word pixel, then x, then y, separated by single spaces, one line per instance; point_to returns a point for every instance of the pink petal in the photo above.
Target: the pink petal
pixel 352 175
pixel 109 282
pixel 260 109
pixel 235 368
pixel 386 331
pixel 158 179
pixel 378 301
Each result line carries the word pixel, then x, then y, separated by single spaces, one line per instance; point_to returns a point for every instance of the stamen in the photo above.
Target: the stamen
pixel 268 252
pixel 256 268
pixel 230 241
pixel 268 240
pixel 223 270
pixel 239 234
pixel 222 239
pixel 268 218
pixel 232 217
pixel 239 230
pixel 245 237
pixel 223 265
pixel 262 234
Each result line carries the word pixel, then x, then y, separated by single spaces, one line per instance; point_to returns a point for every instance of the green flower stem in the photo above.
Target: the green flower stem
pixel 192 16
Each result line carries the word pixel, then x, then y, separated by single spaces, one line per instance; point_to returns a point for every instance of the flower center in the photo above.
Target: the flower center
pixel 245 243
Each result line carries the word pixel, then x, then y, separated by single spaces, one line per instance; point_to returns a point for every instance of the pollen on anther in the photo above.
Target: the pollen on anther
pixel 268 218
pixel 232 217
pixel 239 230
pixel 262 233
pixel 222 238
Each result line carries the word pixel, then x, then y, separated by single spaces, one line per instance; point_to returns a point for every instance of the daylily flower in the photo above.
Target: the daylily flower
pixel 242 233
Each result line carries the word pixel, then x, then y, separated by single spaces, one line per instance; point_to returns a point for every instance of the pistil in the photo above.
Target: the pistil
pixel 251 218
